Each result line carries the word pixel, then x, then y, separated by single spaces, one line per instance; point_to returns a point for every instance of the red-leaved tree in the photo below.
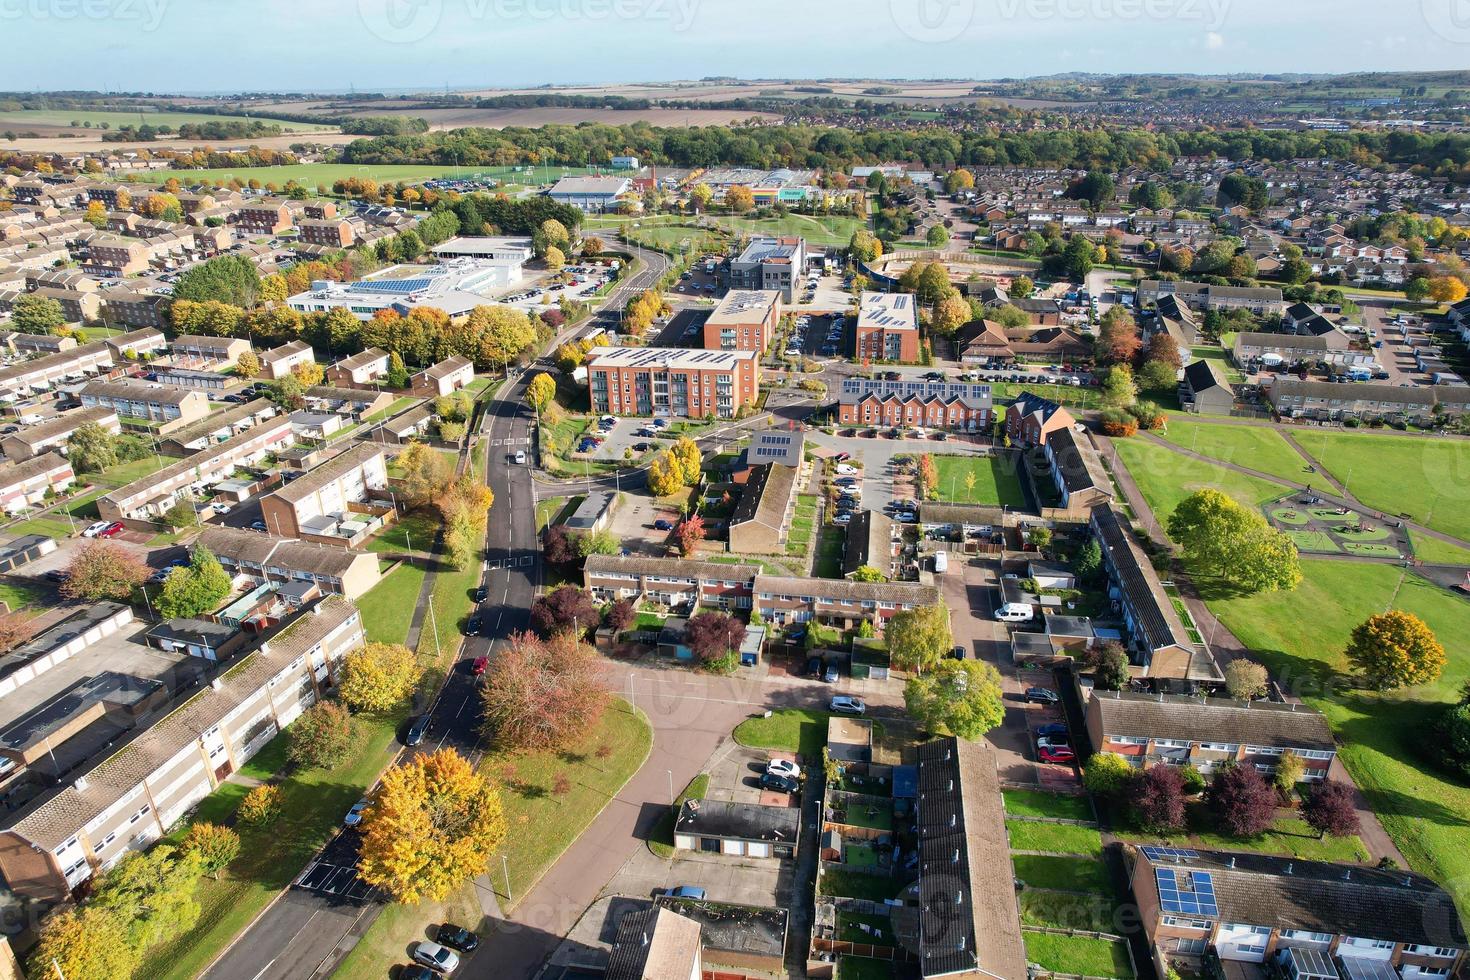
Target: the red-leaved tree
pixel 543 694
pixel 1158 799
pixel 620 615
pixel 558 548
pixel 1243 802
pixel 565 609
pixel 689 532
pixel 711 635
pixel 1329 809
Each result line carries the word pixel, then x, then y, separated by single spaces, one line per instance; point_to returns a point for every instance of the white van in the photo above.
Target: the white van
pixel 1014 612
pixel 941 561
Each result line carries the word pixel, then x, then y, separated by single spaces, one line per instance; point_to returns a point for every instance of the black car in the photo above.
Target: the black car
pixel 472 626
pixel 814 666
pixel 1041 695
pixel 417 730
pixel 481 594
pixel 457 937
pixel 58 575
pixel 779 783
pixel 415 971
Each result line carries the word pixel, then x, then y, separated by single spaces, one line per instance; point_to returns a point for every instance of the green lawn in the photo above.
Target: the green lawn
pixel 15 596
pixel 1166 478
pixel 828 563
pixel 1314 541
pixel 388 606
pixel 849 931
pixel 1421 477
pixel 552 509
pixel 1259 447
pixel 309 174
pixel 1078 955
pixel 1058 910
pixel 270 857
pixel 855 884
pixel 862 968
pixel 661 840
pixel 12 118
pixel 1437 552
pixel 412 532
pixel 799 730
pixel 1062 873
pixel 1300 635
pixel 996 479
pixel 1038 803
pixel 1058 838
pixel 124 473
pixel 1221 357
pixel 1288 835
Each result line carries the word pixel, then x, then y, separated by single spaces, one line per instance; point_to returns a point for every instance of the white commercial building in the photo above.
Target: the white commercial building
pixel 455 286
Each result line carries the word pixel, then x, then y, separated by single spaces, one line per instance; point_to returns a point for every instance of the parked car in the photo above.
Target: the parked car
pixel 1053 730
pixel 663 525
pixel 843 519
pixel 779 783
pixel 257 526
pixel 1015 612
pixel 457 937
pixel 830 674
pixel 417 730
pixel 481 594
pixel 111 531
pixel 844 704
pixel 479 665
pixel 519 458
pixel 1058 754
pixel 416 972
pixel 842 457
pixel 1053 742
pixel 1041 695
pixel 784 767
pixel 814 666
pixel 693 892
pixel 436 957
pixel 95 529
pixel 472 625
pixel 354 816
pixel 846 469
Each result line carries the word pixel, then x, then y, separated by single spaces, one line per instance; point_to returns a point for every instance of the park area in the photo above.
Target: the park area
pixel 1336 530
pixel 309 175
pixel 1166 477
pixel 1258 447
pixel 993 480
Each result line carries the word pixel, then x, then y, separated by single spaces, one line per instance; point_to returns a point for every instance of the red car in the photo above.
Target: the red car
pixel 111 531
pixel 478 667
pixel 1058 754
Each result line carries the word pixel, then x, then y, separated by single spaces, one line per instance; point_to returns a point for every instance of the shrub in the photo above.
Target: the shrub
pixel 1118 423
pixel 261 806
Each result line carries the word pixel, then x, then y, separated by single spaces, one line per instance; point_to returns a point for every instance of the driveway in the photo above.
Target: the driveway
pixel 876 455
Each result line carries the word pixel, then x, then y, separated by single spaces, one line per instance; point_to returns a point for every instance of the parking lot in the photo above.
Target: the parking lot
pixel 334 872
pixel 824 336
pixel 632 524
pixel 621 436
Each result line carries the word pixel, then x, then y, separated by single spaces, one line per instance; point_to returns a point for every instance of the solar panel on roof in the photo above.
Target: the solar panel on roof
pixel 1186 892
pixel 1155 852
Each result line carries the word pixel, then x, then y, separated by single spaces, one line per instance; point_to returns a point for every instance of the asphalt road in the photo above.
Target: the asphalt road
pixel 302 935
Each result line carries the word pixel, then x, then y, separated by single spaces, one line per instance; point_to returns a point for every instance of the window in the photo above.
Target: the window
pixel 1182 923
pixel 1444 952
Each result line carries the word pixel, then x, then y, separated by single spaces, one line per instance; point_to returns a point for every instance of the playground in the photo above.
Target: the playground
pixel 1324 528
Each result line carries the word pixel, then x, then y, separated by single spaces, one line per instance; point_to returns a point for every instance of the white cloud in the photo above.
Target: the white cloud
pixel 1214 41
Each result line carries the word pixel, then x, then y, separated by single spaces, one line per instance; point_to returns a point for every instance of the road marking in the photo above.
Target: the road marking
pixel 265 971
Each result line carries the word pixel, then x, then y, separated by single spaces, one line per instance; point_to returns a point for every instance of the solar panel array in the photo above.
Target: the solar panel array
pixel 1186 892
pixel 394 286
pixel 1155 853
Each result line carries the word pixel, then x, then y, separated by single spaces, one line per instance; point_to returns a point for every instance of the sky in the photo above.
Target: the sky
pixel 393 45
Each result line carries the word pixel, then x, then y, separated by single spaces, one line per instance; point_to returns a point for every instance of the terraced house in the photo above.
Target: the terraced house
pixel 950 405
pixel 837 602
pixel 1154 729
pixel 669 582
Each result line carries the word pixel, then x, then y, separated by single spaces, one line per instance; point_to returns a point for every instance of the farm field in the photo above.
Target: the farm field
pixel 1300 636
pixel 63 118
pixel 309 174
pixel 1259 447
pixel 1166 478
pixel 1422 477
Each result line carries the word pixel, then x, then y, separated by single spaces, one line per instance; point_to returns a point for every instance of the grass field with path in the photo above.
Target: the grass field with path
pixel 1300 636
pixel 799 730
pixel 1258 447
pixel 1437 552
pixel 996 480
pixel 1166 478
pixel 1425 478
pixel 388 606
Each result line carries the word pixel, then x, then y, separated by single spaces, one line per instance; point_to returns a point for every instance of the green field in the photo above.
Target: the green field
pixel 309 174
pixel 816 229
pixel 1437 552
pixel 1056 838
pixel 1422 477
pixel 1078 955
pixel 996 480
pixel 116 120
pixel 1256 446
pixel 1385 738
pixel 1068 874
pixel 387 608
pixel 1038 803
pixel 1058 910
pixel 1166 478
pixel 799 730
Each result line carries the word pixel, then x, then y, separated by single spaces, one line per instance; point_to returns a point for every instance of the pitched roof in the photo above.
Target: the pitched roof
pixel 671 567
pixel 908 593
pixel 1266 723
pixel 1078 462
pixel 1203 375
pixel 15 473
pixel 1288 387
pixel 766 495
pixel 655 944
pixel 335 468
pixel 869 542
pixel 1155 615
pixel 288 553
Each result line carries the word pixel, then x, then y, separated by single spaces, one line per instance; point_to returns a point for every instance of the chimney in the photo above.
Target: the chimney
pixel 1289 866
pixel 1347 875
pixel 81 784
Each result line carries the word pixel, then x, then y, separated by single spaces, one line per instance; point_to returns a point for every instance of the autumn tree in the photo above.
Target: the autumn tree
pixel 1107 774
pixel 712 635
pixel 867 573
pixel 919 639
pixel 592 245
pixel 248 364
pixel 956 697
pixel 558 547
pixel 665 477
pixel 1117 339
pixel 1163 348
pixel 34 313
pixel 554 258
pixel 1330 809
pixel 951 312
pixel 261 806
pixel 689 532
pixel 1395 649
pixel 620 615
pixel 1222 538
pixel 432 825
pixel 86 942
pixel 544 694
pixel 739 199
pixel 864 246
pixel 1246 680
pixel 378 677
pixel 1243 802
pixel 426 473
pixel 310 373
pixel 700 195
pixel 540 392
pixel 213 846
pixel 1157 799
pixel 321 737
pixel 103 570
pixel 1446 289
pixel 685 452
pixel 1290 768
pixel 564 609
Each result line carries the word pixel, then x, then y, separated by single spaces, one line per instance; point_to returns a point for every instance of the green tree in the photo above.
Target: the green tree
pixel 956 697
pixel 863 246
pixel 937 236
pixel 1157 376
pixel 1118 387
pixel 1110 667
pixel 91 448
pixel 32 313
pixel 195 589
pixel 153 891
pixel 1395 649
pixel 1107 774
pixel 919 639
pixel 1089 561
pixel 1224 539
pixel 602 542
pixel 230 279
pixel 1290 768
pixel 321 737
pixel 867 573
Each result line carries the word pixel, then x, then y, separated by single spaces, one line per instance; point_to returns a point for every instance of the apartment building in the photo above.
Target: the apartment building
pixel 265 559
pixel 321 500
pixel 669 582
pixel 149 764
pixel 115 257
pixel 1031 419
pixel 136 343
pixel 955 406
pixel 887 328
pixel 278 362
pixel 1203 296
pixel 837 602
pixel 1167 729
pixel 744 320
pixel 770 264
pixel 149 400
pixel 1077 471
pixel 666 381
pixel 24 483
pixel 77 305
pixel 216 427
pixel 444 378
pixel 150 496
pixel 360 370
pixel 43 372
pixel 208 351
pixel 1310 920
pixel 327 232
pixel 32 440
pixel 1326 401
pixel 263 217
pixel 1159 646
pixel 37 343
pixel 135 308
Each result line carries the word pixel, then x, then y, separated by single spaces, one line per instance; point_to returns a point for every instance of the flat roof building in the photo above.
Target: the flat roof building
pixel 887 328
pixel 743 320
pixel 455 286
pixel 670 381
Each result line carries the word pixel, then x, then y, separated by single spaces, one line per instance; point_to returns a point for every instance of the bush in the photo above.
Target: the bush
pixel 1107 774
pixel 1194 780
pixel 1118 423
pixel 261 806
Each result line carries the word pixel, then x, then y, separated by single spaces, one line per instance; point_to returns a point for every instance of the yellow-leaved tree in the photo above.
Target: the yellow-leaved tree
pixel 685 453
pixel 88 943
pixel 379 676
pixel 664 475
pixel 432 825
